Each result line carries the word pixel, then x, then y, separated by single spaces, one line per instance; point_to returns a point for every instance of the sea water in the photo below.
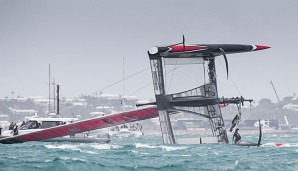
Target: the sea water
pixel 148 153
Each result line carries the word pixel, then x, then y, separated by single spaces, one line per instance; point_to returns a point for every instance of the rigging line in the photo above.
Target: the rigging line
pixel 140 88
pixel 151 82
pixel 171 79
pixel 110 85
pixel 230 77
pixel 60 108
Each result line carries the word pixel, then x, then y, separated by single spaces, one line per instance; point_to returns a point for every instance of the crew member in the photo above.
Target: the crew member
pixel 234 122
pixel 23 123
pixel 15 130
pixel 0 129
pixel 11 126
pixel 237 136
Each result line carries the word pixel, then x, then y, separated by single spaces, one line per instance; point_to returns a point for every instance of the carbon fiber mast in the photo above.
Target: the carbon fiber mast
pixel 216 121
pixel 162 105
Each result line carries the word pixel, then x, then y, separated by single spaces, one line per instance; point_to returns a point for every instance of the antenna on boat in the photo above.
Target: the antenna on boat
pixel 54 90
pixel 58 89
pixel 279 104
pixel 275 91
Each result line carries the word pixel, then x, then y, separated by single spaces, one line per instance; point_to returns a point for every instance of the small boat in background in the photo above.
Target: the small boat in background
pixel 36 123
pixel 39 123
pixel 125 130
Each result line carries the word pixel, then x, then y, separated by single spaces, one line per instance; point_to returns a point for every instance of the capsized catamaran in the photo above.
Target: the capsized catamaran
pixel 205 96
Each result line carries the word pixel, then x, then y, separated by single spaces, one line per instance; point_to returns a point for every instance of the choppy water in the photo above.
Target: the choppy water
pixel 148 153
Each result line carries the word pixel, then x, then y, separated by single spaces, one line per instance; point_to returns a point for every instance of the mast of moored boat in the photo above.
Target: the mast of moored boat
pixel 49 105
pixel 58 88
pixel 54 99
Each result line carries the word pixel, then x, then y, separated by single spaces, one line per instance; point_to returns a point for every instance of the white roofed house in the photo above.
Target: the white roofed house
pixel 21 99
pixel 23 112
pixel 291 106
pixel 79 102
pixel 3 117
pixel 19 114
pixel 4 120
pixel 129 102
pixel 104 109
pixel 110 96
pixel 96 114
pixel 43 102
pixel 110 99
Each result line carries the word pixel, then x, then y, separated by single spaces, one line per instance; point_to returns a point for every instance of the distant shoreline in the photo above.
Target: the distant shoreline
pixel 209 133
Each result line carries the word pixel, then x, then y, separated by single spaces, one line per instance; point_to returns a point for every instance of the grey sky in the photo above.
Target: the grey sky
pixel 85 41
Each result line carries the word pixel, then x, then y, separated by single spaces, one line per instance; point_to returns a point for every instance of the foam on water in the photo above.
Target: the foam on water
pixel 71 147
pixel 163 147
pixel 138 152
pixel 272 144
pixel 170 148
pixel 63 146
pixel 140 145
pixel 215 153
pixel 105 146
pixel 72 159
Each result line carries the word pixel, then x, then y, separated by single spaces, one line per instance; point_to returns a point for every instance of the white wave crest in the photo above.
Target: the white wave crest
pixel 139 145
pixel 73 159
pixel 163 147
pixel 169 148
pixel 63 146
pixel 138 152
pixel 69 147
pixel 216 153
pixel 280 145
pixel 105 146
pixel 236 163
pixel 290 145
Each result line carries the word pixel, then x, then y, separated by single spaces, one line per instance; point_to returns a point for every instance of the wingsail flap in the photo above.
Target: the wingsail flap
pixel 85 125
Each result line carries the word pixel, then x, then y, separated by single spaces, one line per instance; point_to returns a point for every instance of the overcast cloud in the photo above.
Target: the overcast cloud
pixel 86 40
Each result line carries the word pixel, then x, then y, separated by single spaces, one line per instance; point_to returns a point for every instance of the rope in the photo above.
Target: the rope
pixel 151 82
pixel 230 77
pixel 171 78
pixel 110 85
pixel 140 88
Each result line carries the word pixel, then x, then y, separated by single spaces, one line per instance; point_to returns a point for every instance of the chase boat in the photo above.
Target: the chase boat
pixel 39 123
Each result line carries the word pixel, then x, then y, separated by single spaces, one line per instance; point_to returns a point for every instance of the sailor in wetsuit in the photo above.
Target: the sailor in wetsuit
pixel 237 136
